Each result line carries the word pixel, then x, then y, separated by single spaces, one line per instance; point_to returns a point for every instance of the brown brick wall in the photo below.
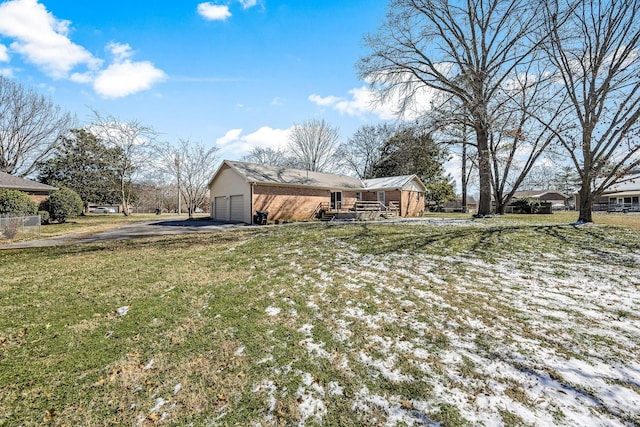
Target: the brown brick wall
pixel 38 198
pixel 288 202
pixel 412 203
pixel 300 203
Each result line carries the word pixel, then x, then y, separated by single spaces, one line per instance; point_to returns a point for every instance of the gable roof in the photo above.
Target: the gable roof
pixel 16 183
pixel 275 175
pixel 391 183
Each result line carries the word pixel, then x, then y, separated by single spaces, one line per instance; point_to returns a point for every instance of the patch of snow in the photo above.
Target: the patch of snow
pixel 122 311
pixel 148 365
pixel 335 389
pixel 272 311
pixel 160 402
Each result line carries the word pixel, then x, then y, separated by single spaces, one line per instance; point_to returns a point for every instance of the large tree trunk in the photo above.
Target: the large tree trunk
pixel 464 171
pixel 484 169
pixel 586 204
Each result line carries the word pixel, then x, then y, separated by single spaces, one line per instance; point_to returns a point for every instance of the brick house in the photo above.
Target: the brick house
pixel 237 190
pixel 35 190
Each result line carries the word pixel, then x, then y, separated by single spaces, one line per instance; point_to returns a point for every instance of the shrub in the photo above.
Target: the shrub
pixel 528 205
pixel 16 203
pixel 44 217
pixel 63 204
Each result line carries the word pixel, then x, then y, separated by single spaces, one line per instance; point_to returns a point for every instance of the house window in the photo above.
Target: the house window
pixel 336 200
pixel 359 196
pixel 381 198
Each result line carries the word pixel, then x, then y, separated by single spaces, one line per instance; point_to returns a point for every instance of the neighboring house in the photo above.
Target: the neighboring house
pixel 456 205
pixel 558 200
pixel 624 195
pixel 238 190
pixel 37 191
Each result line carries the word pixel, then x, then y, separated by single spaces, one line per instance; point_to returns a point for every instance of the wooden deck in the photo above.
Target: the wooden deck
pixel 360 211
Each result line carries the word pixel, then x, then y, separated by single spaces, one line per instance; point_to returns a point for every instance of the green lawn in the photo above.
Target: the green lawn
pixel 512 320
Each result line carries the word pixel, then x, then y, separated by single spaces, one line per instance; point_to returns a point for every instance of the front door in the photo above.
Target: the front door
pixel 336 200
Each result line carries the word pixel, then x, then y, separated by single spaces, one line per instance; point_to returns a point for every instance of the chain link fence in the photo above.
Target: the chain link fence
pixel 12 227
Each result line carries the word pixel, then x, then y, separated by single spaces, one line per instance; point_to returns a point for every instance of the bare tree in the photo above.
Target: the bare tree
pixel 518 139
pixel 192 165
pixel 267 156
pixel 314 144
pixel 452 128
pixel 30 126
pixel 595 53
pixel 133 141
pixel 364 149
pixel 466 49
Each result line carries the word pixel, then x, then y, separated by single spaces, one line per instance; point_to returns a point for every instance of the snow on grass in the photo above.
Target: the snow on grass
pixel 525 336
pixel 272 311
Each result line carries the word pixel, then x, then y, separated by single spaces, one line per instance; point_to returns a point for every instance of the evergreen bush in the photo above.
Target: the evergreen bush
pixel 63 204
pixel 16 203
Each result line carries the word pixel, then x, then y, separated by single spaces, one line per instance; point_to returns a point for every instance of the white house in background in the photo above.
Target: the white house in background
pixel 624 195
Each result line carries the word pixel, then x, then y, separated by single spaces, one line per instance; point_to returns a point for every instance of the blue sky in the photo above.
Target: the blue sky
pixel 235 73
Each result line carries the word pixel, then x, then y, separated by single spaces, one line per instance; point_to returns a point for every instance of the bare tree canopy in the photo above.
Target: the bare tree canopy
pixel 467 49
pixel 596 52
pixel 30 125
pixel 313 144
pixel 192 165
pixel 364 149
pixel 134 141
pixel 267 156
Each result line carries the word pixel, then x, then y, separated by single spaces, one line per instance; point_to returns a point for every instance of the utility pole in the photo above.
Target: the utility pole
pixel 179 189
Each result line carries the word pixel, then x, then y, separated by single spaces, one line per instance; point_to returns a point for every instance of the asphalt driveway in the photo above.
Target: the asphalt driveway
pixel 132 231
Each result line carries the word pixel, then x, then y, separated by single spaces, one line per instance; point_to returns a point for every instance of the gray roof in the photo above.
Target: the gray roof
pixel 261 174
pixel 16 183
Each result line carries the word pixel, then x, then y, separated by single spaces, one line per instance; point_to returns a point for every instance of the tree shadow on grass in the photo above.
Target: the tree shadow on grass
pixel 604 242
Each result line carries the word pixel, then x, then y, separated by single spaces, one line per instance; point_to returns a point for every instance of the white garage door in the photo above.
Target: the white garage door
pixel 222 209
pixel 237 208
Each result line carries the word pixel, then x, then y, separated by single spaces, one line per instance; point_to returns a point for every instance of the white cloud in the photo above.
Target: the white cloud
pixel 6 72
pixel 246 4
pixel 324 101
pixel 42 39
pixel 229 137
pixel 126 78
pixel 4 54
pixel 234 144
pixel 214 12
pixel 120 51
pixel 362 101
